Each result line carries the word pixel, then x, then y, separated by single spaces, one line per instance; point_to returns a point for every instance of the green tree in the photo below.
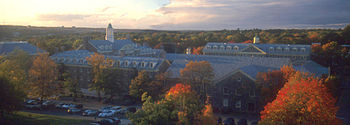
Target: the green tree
pixel 77 43
pixel 139 84
pixel 114 85
pixel 42 77
pixel 10 98
pixel 71 85
pixel 15 66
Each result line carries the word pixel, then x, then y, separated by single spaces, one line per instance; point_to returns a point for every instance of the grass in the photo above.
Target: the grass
pixel 26 118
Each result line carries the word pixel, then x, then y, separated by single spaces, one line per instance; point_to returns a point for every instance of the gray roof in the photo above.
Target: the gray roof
pixel 285 49
pixel 118 44
pixel 8 47
pixel 78 57
pixel 225 65
pixel 312 67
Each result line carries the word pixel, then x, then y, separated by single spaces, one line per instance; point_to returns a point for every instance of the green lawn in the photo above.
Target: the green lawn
pixel 26 118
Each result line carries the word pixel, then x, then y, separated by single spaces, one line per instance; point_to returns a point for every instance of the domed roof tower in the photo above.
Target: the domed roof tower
pixel 109 33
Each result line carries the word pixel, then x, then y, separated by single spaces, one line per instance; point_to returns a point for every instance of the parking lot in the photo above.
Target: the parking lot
pixel 95 113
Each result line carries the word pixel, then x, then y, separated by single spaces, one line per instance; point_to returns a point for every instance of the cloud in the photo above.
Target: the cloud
pixel 61 17
pixel 231 14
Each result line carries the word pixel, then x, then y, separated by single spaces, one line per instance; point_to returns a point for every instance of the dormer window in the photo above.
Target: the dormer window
pixel 239 79
pixel 215 47
pixel 302 49
pixel 236 48
pixel 286 49
pixel 279 49
pixel 226 91
pixel 229 47
pixel 143 64
pixel 106 46
pixel 222 47
pixel 101 47
pixel 134 64
pixel 208 47
pixel 271 49
pixel 294 49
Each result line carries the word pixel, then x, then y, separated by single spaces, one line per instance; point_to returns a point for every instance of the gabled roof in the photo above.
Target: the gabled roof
pixel 118 44
pixel 253 70
pixel 312 67
pixel 8 47
pixel 224 65
pixel 78 57
pixel 262 47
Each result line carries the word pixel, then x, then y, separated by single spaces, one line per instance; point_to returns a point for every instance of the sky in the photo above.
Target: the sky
pixel 177 14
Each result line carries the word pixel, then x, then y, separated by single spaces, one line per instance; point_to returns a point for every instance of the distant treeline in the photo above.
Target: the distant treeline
pixel 56 39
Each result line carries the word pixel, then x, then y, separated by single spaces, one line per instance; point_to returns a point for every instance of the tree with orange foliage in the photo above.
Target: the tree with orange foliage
pixel 186 102
pixel 198 50
pixel 42 77
pixel 199 75
pixel 303 100
pixel 98 63
pixel 271 82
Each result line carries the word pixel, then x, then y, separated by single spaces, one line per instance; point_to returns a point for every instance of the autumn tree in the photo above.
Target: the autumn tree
pixel 98 63
pixel 303 100
pixel 198 50
pixel 143 83
pixel 269 83
pixel 15 66
pixel 199 75
pixel 71 85
pixel 42 77
pixel 187 103
pixel 207 117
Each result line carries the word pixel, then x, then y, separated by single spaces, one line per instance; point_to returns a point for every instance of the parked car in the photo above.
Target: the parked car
pixel 107 113
pixel 122 111
pixel 105 108
pixel 109 121
pixel 117 120
pixel 229 121
pixel 74 110
pixel 60 105
pixel 33 106
pixel 89 112
pixel 48 104
pixel 116 107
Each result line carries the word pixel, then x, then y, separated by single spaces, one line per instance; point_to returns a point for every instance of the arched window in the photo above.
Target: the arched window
pixel 236 48
pixel 271 49
pixel 215 47
pixel 228 47
pixel 222 47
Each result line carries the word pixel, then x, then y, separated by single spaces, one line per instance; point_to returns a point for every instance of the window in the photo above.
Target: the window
pixel 226 91
pixel 238 104
pixel 236 48
pixel 222 47
pixel 143 64
pixel 225 103
pixel 239 79
pixel 302 49
pixel 279 49
pixel 286 49
pixel 294 49
pixel 208 47
pixel 229 47
pixel 271 49
pixel 215 47
pixel 238 92
pixel 252 93
pixel 134 63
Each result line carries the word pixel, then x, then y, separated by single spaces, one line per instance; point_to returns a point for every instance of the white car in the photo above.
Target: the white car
pixel 108 113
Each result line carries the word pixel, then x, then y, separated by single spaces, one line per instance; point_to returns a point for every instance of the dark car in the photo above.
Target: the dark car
pixel 242 122
pixel 74 110
pixel 108 121
pixel 47 104
pixel 229 121
pixel 90 112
